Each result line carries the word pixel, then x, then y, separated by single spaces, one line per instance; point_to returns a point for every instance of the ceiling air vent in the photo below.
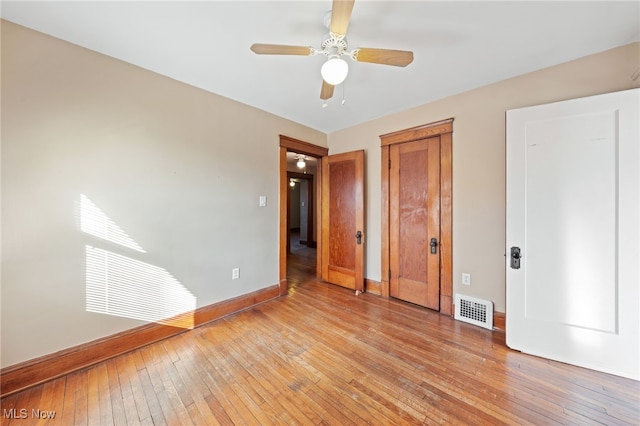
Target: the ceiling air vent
pixel 474 311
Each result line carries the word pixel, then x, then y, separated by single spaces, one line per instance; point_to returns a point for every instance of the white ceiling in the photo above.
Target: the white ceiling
pixel 457 46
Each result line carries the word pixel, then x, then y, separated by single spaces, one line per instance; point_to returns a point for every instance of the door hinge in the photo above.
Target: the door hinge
pixel 389 163
pixel 389 274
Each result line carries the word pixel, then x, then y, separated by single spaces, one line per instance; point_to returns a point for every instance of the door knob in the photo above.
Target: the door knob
pixel 359 237
pixel 434 245
pixel 515 257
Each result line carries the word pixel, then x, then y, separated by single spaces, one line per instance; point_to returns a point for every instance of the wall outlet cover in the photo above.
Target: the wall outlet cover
pixel 466 279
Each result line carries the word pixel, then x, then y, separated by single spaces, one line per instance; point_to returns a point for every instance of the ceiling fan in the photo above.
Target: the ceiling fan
pixel 334 46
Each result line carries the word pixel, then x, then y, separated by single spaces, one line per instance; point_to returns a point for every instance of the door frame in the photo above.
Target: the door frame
pixel 300 147
pixel 444 130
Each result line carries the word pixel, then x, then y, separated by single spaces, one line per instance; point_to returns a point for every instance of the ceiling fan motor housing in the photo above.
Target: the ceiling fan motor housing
pixel 332 45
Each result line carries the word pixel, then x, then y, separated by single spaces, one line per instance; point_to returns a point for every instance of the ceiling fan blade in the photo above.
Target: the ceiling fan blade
pixel 398 58
pixel 280 49
pixel 340 15
pixel 327 90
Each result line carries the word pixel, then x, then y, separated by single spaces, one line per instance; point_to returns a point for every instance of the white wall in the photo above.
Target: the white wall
pixel 178 169
pixel 479 158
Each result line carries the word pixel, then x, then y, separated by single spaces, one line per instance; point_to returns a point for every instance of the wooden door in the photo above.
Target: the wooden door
pixel 573 237
pixel 343 219
pixel 414 233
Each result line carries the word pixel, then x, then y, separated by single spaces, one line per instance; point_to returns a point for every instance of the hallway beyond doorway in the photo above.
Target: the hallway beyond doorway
pixel 301 265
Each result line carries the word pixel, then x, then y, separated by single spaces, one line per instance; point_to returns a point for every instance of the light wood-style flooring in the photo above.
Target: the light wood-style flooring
pixel 323 355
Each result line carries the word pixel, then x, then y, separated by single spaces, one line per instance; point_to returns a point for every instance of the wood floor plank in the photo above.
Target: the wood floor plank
pixel 254 397
pixel 8 404
pixel 244 389
pixel 200 370
pixel 199 410
pixel 51 401
pixel 173 381
pixel 18 408
pixel 232 407
pixel 173 408
pixel 285 378
pixel 93 397
pixel 35 398
pixel 81 416
pixel 334 414
pixel 69 403
pixel 302 407
pixel 128 401
pixel 104 394
pixel 138 360
pixel 115 393
pixel 334 365
pixel 151 398
pixel 322 355
pixel 282 382
pixel 168 413
pixel 138 407
pixel 219 413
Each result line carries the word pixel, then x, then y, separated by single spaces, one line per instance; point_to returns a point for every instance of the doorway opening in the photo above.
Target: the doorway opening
pixel 300 227
pixel 300 214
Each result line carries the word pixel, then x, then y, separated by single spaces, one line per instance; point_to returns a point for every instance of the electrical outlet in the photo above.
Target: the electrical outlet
pixel 466 279
pixel 235 273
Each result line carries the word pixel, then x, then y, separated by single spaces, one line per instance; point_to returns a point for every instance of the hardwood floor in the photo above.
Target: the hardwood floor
pixel 322 355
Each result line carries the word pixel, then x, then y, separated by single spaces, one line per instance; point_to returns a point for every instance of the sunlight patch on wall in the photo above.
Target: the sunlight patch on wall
pixel 121 286
pixel 94 222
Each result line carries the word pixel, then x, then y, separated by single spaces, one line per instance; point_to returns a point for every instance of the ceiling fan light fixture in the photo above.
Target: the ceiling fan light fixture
pixel 301 164
pixel 334 71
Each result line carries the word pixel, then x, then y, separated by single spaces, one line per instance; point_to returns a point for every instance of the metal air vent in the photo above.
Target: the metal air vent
pixel 474 311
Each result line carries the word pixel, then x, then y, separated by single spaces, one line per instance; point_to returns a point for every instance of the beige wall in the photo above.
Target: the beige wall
pixel 180 170
pixel 479 158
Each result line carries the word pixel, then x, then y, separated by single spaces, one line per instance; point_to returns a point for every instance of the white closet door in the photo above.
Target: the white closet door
pixel 573 211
